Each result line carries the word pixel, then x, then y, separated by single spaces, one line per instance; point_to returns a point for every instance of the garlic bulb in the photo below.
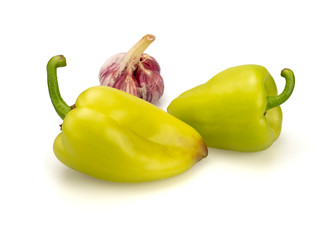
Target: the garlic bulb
pixel 134 72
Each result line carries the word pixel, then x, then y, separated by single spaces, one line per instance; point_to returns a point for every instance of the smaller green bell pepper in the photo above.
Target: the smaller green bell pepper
pixel 238 109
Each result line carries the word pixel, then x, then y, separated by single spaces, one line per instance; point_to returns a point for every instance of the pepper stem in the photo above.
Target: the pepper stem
pixel 132 57
pixel 274 101
pixel 58 103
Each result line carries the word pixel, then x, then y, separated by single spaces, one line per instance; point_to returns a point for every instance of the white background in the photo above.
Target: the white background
pixel 272 194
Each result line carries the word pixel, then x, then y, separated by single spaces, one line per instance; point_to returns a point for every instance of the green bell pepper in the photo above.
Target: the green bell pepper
pixel 112 135
pixel 238 109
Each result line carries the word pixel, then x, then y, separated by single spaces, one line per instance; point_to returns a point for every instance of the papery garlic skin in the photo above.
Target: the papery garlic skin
pixel 109 71
pixel 134 72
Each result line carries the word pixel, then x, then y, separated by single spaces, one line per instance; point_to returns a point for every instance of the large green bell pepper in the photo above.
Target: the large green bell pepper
pixel 238 109
pixel 113 135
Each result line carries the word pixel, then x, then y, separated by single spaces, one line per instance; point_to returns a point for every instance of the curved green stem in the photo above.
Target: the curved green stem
pixel 59 104
pixel 274 101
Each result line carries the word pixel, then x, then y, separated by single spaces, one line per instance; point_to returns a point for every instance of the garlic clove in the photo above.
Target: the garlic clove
pixel 109 72
pixel 127 84
pixel 151 82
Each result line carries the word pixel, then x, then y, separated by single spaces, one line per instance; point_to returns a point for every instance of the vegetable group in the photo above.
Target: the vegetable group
pixel 113 132
pixel 112 135
pixel 238 109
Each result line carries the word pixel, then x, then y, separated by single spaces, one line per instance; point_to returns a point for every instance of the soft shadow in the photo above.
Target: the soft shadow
pixel 73 184
pixel 258 161
pixel 162 103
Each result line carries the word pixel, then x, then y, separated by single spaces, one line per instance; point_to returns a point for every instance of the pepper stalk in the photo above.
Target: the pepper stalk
pixel 274 101
pixel 58 103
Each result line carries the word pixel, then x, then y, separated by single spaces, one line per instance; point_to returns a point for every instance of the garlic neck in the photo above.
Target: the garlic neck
pixel 132 57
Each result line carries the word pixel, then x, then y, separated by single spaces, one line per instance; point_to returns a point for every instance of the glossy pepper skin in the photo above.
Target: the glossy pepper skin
pixel 238 109
pixel 112 135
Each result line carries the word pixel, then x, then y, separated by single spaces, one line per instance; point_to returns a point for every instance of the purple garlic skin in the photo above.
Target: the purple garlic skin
pixel 134 72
